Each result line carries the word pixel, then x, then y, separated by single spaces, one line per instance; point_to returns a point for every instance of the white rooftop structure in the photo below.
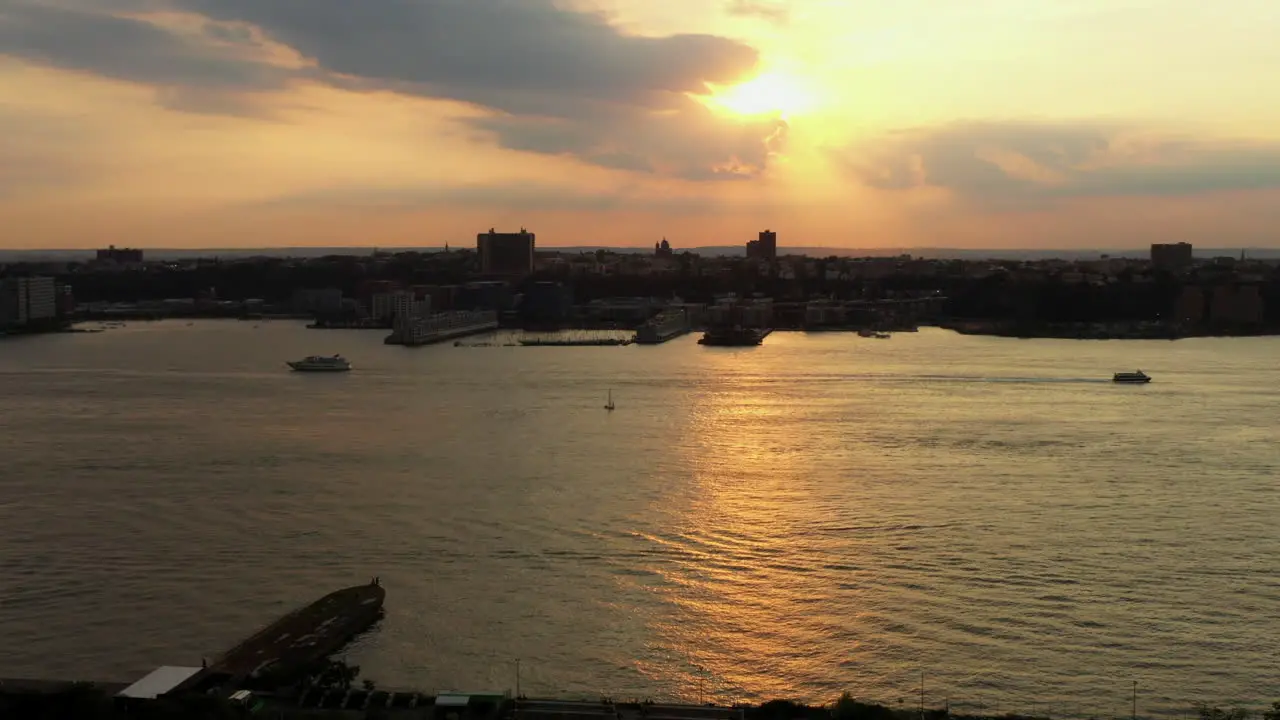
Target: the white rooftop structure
pixel 158 682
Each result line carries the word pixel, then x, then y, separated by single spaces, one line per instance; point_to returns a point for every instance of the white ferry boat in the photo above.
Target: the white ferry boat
pixel 1136 376
pixel 321 363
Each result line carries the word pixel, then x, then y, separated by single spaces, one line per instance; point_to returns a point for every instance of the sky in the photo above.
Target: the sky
pixel 841 123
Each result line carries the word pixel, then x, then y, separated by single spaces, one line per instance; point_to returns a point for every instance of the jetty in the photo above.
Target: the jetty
pixel 576 342
pixel 292 646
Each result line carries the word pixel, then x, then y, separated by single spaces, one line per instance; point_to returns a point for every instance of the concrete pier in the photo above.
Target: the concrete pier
pixel 295 643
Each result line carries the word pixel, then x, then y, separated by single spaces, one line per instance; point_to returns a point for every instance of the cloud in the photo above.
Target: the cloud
pixel 558 81
pixel 496 53
pixel 133 49
pixel 690 142
pixel 504 197
pixel 555 80
pixel 1026 165
pixel 775 11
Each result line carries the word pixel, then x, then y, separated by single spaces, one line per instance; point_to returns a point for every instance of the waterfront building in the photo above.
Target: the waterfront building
pixel 399 304
pixel 327 300
pixel 441 326
pixel 27 300
pixel 546 303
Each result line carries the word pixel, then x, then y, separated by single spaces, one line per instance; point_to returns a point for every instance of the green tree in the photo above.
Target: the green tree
pixel 1213 712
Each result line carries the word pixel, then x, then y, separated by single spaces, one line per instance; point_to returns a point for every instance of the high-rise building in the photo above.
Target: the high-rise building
pixel 398 304
pixel 1171 256
pixel 765 247
pixel 121 256
pixel 505 253
pixel 26 300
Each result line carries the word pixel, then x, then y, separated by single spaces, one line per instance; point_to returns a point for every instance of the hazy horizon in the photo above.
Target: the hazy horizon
pixel 1063 124
pixel 178 253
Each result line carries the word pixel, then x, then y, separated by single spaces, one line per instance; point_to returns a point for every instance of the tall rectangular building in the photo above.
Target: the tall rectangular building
pixel 505 253
pixel 765 247
pixel 24 300
pixel 123 256
pixel 1171 256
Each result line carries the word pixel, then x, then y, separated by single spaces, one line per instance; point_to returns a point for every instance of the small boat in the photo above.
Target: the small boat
pixel 321 363
pixel 609 405
pixel 1137 376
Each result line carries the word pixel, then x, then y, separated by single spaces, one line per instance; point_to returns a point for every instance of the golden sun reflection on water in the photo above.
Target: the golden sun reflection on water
pixel 752 605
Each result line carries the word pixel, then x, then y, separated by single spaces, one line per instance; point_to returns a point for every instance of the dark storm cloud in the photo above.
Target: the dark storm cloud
pixel 489 51
pixel 558 81
pixel 561 82
pixel 1030 164
pixel 125 48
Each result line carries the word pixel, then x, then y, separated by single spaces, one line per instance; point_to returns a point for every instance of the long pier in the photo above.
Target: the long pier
pixel 293 645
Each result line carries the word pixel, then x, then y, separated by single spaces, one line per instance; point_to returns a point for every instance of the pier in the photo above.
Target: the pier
pixel 292 646
pixel 412 331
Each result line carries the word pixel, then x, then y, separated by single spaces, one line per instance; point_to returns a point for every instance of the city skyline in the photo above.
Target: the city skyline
pixel 239 123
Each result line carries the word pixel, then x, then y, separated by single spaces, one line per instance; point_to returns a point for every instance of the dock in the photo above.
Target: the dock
pixel 293 645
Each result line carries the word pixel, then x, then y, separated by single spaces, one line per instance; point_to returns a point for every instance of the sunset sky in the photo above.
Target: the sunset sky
pixel 844 123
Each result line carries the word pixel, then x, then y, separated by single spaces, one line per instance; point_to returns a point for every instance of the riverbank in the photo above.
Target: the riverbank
pixel 1097 331
pixel 93 701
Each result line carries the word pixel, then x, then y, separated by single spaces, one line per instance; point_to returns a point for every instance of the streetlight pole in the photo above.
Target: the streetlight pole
pixel 921 695
pixel 517 678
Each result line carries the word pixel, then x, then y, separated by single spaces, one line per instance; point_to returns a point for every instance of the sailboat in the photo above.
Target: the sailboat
pixel 609 405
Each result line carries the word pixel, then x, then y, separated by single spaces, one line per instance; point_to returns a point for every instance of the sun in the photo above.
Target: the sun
pixel 772 93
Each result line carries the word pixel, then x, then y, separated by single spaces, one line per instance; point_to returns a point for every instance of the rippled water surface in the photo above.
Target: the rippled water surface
pixel 821 513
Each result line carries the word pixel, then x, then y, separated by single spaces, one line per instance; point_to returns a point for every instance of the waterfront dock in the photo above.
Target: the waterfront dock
pixel 293 645
pixel 576 342
pixel 415 331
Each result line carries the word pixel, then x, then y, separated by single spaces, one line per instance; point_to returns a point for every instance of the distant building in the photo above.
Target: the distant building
pixel 487 295
pixel 546 303
pixel 1173 257
pixel 120 256
pixel 327 300
pixel 662 249
pixel 26 300
pixel 401 304
pixel 1189 308
pixel 765 247
pixel 439 298
pixel 1239 305
pixel 505 253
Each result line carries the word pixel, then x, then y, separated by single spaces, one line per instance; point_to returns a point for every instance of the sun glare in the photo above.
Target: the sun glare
pixel 767 94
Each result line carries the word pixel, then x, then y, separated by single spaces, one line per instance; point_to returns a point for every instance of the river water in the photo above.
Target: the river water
pixel 818 514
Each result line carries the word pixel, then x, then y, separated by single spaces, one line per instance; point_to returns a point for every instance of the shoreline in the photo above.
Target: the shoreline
pixel 1096 331
pixel 87 700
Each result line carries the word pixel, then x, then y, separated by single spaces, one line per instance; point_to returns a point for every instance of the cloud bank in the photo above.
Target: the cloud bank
pixel 1022 165
pixel 552 80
